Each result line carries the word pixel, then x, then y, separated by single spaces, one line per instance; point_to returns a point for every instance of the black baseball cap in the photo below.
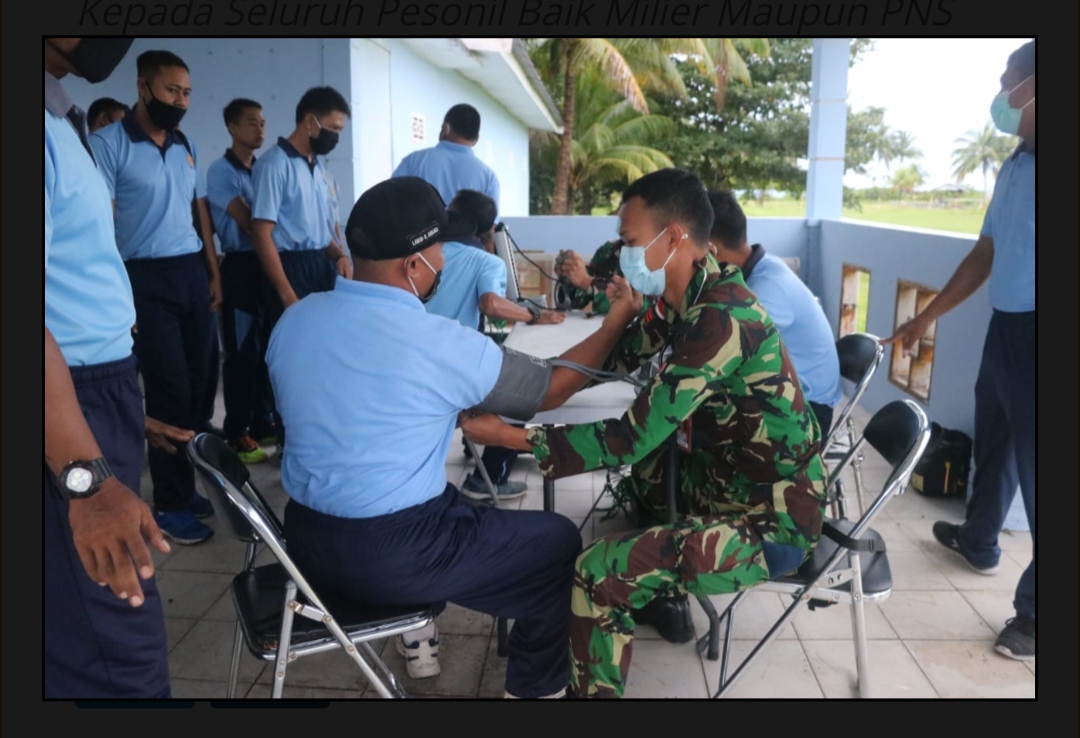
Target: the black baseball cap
pixel 401 216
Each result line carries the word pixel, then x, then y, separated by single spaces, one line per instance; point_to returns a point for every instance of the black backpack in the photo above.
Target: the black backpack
pixel 945 466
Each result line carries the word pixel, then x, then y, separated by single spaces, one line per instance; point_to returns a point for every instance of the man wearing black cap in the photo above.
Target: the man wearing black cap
pixel 370 386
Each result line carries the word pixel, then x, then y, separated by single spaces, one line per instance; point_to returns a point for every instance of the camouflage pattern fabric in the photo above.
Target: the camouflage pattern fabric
pixel 603 265
pixel 752 484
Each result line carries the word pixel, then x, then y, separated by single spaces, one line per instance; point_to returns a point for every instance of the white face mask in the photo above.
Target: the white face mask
pixel 637 272
pixel 1004 115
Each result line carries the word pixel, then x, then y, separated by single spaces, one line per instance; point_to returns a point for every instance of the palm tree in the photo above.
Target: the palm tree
pixel 985 150
pixel 628 65
pixel 907 179
pixel 903 147
pixel 611 145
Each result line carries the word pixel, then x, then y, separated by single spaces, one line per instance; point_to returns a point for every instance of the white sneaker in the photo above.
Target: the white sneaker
pixel 420 648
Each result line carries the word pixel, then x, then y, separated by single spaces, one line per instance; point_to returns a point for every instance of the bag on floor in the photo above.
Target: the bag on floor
pixel 945 466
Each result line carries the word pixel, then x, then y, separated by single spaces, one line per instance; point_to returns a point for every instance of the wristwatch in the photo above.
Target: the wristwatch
pixel 534 310
pixel 82 479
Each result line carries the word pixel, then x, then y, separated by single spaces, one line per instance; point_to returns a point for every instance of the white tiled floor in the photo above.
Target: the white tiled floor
pixel 932 638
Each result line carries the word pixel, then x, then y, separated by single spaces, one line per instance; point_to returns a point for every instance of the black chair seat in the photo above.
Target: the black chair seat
pixel 259 596
pixel 876 575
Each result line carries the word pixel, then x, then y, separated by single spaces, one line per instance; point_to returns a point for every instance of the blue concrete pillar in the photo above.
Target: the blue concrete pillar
pixel 828 128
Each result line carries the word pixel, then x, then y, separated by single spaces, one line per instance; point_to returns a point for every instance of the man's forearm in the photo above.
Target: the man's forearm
pixel 972 273
pixel 591 352
pixel 67 436
pixel 206 233
pixel 499 308
pixel 268 257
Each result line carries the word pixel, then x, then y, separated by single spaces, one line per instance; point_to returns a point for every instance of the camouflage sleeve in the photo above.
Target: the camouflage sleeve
pixel 603 264
pixel 711 351
pixel 644 338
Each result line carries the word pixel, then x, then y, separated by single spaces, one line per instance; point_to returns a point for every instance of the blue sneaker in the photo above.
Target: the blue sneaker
pixel 475 488
pixel 182 527
pixel 199 506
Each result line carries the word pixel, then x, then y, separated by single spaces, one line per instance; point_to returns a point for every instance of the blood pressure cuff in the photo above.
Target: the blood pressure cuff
pixel 521 387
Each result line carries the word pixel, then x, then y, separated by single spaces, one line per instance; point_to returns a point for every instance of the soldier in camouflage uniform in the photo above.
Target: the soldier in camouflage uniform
pixel 585 283
pixel 752 485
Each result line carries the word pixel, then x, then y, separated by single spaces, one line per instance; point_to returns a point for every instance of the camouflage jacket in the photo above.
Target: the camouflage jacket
pixel 602 267
pixel 729 378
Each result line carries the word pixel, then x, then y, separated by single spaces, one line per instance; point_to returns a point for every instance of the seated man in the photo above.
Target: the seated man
pixel 370 387
pixel 750 479
pixel 790 304
pixel 473 284
pixel 586 283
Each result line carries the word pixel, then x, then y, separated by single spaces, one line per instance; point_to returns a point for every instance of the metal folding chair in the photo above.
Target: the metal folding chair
pixel 860 354
pixel 899 432
pixel 268 598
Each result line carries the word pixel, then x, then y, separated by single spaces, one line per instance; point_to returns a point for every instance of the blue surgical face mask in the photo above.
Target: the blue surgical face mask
pixel 1005 116
pixel 637 272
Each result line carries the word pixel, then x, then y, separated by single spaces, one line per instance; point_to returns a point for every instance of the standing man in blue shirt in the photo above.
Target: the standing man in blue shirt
pixel 371 514
pixel 104 111
pixel 452 164
pixel 249 413
pixel 1005 388
pixel 290 216
pixel 104 631
pixel 794 310
pixel 165 237
pixel 474 284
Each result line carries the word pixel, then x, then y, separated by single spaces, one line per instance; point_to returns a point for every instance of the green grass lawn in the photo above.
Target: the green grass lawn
pixel 967 220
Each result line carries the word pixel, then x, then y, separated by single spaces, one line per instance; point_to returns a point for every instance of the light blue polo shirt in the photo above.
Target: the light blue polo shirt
pixel 1010 221
pixel 226 179
pixel 153 188
pixel 333 212
pixel 89 308
pixel 451 167
pixel 291 192
pixel 370 385
pixel 803 327
pixel 468 274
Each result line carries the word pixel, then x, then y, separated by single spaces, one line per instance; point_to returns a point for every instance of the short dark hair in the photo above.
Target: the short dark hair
pixel 320 101
pixel 1023 59
pixel 150 63
pixel 236 108
pixel 105 105
pixel 477 206
pixel 675 195
pixel 729 220
pixel 464 120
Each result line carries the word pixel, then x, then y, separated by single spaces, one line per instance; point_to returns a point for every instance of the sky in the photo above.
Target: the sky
pixel 936 89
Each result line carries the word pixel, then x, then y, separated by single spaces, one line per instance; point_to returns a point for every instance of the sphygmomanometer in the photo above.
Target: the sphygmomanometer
pixel 524 381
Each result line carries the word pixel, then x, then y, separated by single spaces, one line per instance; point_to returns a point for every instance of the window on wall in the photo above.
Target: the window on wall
pixel 854 300
pixel 912 373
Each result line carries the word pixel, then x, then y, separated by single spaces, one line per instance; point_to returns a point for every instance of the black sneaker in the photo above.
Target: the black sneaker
pixel 670 616
pixel 1017 640
pixel 947 535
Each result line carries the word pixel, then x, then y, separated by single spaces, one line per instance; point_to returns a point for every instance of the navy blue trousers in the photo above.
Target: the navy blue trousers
pixel 1004 445
pixel 174 344
pixel 245 380
pixel 824 415
pixel 515 564
pixel 307 272
pixel 97 645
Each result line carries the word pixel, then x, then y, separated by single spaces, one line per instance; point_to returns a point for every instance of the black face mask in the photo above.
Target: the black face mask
pixel 95 59
pixel 164 116
pixel 324 143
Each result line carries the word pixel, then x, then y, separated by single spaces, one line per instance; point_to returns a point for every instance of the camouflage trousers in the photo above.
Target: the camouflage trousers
pixel 699 555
